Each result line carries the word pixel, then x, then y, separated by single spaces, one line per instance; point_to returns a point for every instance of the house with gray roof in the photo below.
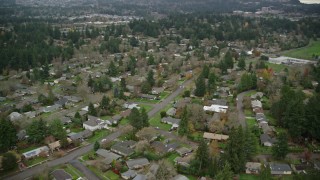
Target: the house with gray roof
pixel 122 150
pixel 183 151
pixel 80 136
pixel 171 112
pixel 137 163
pixel 129 174
pixel 115 120
pixel 280 169
pixel 36 152
pixel 108 156
pixel 140 177
pixel 172 121
pixel 266 140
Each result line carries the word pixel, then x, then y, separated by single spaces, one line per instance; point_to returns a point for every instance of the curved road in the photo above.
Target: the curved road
pixel 241 115
pixel 27 173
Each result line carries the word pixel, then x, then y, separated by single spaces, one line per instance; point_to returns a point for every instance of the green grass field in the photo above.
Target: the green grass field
pixel 305 52
pixel 276 67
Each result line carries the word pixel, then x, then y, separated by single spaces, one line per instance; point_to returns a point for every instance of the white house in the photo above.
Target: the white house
pixel 216 108
pixel 15 116
pixel 94 123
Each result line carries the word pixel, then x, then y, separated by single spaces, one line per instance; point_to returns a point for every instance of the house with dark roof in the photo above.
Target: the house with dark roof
pixel 266 140
pixel 280 169
pixel 183 151
pixel 108 156
pixel 80 136
pixel 137 163
pixel 60 174
pixel 172 121
pixel 65 120
pixel 140 177
pixel 122 150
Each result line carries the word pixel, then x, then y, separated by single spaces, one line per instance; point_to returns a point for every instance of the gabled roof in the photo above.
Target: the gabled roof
pixel 170 120
pixel 122 150
pixel 213 136
pixel 279 167
pixel 109 156
pixel 137 163
pixel 129 174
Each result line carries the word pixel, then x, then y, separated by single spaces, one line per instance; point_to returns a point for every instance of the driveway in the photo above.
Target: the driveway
pixel 241 115
pixel 82 168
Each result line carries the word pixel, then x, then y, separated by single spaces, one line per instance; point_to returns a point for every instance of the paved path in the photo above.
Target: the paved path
pixel 241 115
pixel 65 159
pixel 82 168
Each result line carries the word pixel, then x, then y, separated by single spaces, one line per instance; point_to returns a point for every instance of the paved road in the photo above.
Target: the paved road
pixel 159 106
pixel 82 168
pixel 65 159
pixel 241 115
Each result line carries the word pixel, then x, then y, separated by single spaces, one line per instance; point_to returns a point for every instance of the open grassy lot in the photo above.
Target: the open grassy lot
pixel 276 67
pixel 35 160
pixel 305 52
pixel 98 135
pixel 251 122
pixel 156 120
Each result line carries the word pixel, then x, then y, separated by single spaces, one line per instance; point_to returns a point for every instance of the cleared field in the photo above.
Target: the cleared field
pixel 305 52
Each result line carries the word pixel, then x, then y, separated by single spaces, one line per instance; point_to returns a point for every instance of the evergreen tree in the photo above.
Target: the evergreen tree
pixel 45 71
pixel 105 103
pixel 228 60
pixel 91 110
pixel 200 87
pixel 37 131
pixel 205 71
pixel 57 130
pixel 144 117
pixel 135 119
pixel 235 152
pixel 112 69
pixel 90 81
pixel 226 173
pixel 313 116
pixel 242 63
pixel 150 78
pixel 265 173
pixel 250 67
pixel 280 148
pixel 211 83
pixel 8 135
pixel 151 60
pixel 123 84
pixel 145 87
pixel 183 127
pixel 96 146
pixel 251 144
pixel 9 162
pixel 201 161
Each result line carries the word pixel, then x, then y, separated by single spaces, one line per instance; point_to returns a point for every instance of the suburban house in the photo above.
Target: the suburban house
pixel 172 121
pixel 80 136
pixel 257 95
pixel 122 150
pixel 157 91
pixel 260 117
pixel 266 140
pixel 125 113
pixel 65 120
pixel 171 112
pixel 94 123
pixel 115 120
pixel 220 102
pixel 266 128
pixel 161 148
pixel 55 145
pixel 60 174
pixel 140 177
pixel 216 108
pixel 108 156
pixel 148 96
pixel 36 152
pixel 217 137
pixel 131 105
pixel 280 169
pixel 182 102
pixel 184 161
pixel 253 168
pixel 129 174
pixel 183 151
pixel 137 163
pixel 31 114
pixel 14 116
pixel 256 104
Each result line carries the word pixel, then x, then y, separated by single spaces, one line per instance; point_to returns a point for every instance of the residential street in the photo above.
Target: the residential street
pixel 241 115
pixel 65 159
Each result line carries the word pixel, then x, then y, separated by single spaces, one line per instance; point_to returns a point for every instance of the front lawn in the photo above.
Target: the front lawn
pixel 147 107
pixel 124 121
pixel 111 175
pixel 248 113
pixel 251 122
pixel 35 160
pixel 98 135
pixel 172 157
pixel 156 120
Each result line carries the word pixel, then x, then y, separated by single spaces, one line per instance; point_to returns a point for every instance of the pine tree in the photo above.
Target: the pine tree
pixel 105 103
pixel 37 131
pixel 242 63
pixel 205 71
pixel 280 148
pixel 211 83
pixel 183 127
pixel 228 60
pixel 91 110
pixel 8 135
pixel 226 173
pixel 90 81
pixel 57 130
pixel 150 78
pixel 96 146
pixel 202 155
pixel 200 87
pixel 112 69
pixel 144 117
pixel 251 144
pixel 9 161
pixel 265 173
pixel 134 119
